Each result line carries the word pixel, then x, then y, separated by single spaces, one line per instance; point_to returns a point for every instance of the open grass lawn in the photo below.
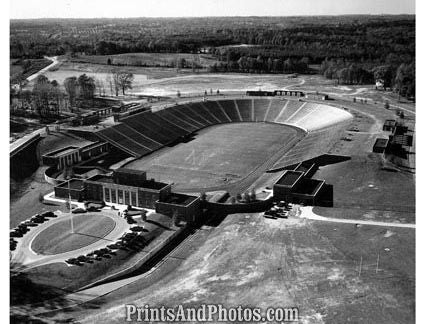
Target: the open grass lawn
pixel 250 260
pixel 361 183
pixel 147 59
pixel 58 238
pixel 218 155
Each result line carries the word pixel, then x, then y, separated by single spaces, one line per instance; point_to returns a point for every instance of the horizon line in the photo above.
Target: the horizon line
pixel 230 16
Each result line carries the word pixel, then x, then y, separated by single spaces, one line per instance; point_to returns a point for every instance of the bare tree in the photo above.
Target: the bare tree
pixel 122 81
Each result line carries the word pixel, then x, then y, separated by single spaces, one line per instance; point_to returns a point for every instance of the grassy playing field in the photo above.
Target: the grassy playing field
pixel 218 155
pixel 59 239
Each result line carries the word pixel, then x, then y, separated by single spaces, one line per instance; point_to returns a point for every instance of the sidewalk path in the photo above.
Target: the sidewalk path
pixel 307 212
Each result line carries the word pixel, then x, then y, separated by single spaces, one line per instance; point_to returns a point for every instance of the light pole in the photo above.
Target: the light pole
pixel 70 208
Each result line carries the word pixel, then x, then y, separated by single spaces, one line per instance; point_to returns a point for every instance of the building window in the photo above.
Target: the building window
pixel 107 195
pixel 120 201
pixel 133 198
pixel 114 196
pixel 126 197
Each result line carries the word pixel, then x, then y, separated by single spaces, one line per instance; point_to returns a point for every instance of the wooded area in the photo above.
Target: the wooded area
pixel 351 49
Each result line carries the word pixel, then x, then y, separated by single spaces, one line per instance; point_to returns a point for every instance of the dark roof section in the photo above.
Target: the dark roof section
pixel 179 199
pixel 74 184
pixel 147 184
pixel 289 178
pixel 309 186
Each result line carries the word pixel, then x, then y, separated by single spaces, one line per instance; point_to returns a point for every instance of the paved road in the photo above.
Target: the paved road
pixel 54 60
pixel 83 296
pixel 307 212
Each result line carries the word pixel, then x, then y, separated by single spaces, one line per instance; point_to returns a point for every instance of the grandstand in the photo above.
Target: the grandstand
pixel 145 132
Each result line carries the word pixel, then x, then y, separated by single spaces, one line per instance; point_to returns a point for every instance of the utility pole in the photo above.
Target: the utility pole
pixel 360 268
pixel 70 208
pixel 377 264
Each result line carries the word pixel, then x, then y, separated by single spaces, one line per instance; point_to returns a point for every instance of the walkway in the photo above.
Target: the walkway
pixel 307 212
pixel 54 60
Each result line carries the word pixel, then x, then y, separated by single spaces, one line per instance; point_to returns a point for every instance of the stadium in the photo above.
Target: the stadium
pixel 225 144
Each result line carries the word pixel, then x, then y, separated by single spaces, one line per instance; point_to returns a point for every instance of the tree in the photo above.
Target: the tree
pixel 41 93
pixel 122 81
pixel 387 105
pixel 71 87
pixel 86 86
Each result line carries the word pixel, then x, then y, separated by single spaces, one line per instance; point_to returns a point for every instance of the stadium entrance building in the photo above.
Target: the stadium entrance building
pixel 126 187
pixel 71 155
pixel 131 187
pixel 295 187
pixel 185 207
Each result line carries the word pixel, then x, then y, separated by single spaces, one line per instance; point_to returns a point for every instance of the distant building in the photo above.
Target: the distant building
pixel 317 96
pixel 389 125
pixel 380 145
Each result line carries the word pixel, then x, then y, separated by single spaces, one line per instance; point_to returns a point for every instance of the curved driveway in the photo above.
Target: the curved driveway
pixel 24 258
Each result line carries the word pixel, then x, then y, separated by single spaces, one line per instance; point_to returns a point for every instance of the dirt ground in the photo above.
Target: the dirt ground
pixel 306 264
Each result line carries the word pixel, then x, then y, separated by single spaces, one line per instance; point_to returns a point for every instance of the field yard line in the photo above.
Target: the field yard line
pixel 296 112
pixel 282 110
pixel 307 212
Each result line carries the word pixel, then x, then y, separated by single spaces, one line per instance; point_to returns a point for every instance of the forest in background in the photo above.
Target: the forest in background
pixel 350 49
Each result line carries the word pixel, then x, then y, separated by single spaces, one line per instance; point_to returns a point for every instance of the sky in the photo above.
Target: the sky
pixel 21 9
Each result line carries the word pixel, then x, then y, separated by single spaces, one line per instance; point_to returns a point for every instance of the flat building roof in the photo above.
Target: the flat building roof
pixel 179 199
pixel 309 186
pixel 74 184
pixel 289 178
pixel 147 184
pixel 61 151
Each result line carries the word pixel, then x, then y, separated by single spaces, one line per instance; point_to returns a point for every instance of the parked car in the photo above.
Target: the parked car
pixel 82 258
pixel 71 261
pixel 48 214
pixel 79 211
pixel 30 223
pixel 16 234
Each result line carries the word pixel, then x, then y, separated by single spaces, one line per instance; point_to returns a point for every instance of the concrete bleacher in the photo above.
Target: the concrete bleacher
pixel 143 126
pixel 245 108
pixel 260 108
pixel 291 109
pixel 138 137
pixel 230 109
pixel 145 132
pixel 215 111
pixel 200 113
pixel 274 109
